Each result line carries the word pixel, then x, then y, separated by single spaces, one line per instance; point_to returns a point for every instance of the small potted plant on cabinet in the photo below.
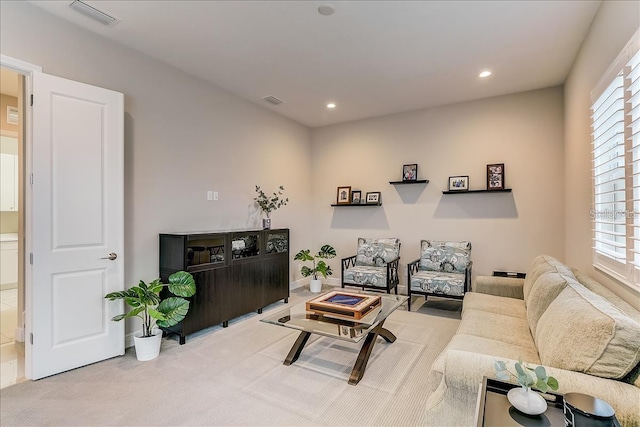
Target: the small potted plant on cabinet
pixel 269 204
pixel 325 252
pixel 145 302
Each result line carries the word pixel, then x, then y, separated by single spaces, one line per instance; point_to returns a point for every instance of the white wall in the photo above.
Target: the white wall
pixel 524 131
pixel 182 137
pixel 612 28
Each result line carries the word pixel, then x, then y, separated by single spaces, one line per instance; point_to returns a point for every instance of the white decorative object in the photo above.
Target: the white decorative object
pixel 147 348
pixel 316 285
pixel 527 401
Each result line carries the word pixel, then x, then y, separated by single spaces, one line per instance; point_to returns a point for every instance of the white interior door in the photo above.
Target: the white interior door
pixel 77 220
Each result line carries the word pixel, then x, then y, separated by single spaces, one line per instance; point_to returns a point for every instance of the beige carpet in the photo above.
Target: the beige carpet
pixel 235 377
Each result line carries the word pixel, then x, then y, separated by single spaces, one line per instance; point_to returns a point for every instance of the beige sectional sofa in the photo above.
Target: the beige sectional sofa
pixel 587 337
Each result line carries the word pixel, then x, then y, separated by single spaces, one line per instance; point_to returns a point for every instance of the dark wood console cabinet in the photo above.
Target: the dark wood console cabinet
pixel 236 272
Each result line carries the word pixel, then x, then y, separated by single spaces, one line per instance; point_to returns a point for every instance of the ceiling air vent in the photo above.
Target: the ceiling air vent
pixel 273 100
pixel 93 13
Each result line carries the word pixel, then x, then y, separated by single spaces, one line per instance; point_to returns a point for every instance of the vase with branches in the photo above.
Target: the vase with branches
pixel 269 203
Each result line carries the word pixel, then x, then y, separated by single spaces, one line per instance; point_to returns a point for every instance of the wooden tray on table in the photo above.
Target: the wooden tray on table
pixel 345 305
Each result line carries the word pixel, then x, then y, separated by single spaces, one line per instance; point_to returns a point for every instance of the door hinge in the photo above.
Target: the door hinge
pixel 30 179
pixel 32 100
pixel 31 258
pixel 31 338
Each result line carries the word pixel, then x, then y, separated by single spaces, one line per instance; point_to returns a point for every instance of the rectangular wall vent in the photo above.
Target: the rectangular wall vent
pixel 273 100
pixel 93 13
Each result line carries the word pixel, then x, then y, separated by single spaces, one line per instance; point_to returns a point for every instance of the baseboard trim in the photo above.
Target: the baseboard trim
pixel 19 334
pixel 128 339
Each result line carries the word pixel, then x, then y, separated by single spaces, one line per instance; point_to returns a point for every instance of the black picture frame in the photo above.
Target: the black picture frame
pixel 495 176
pixel 356 197
pixel 373 198
pixel 343 196
pixel 459 183
pixel 410 172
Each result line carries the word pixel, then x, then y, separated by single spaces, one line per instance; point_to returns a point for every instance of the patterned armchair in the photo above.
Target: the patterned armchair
pixel 444 270
pixel 375 266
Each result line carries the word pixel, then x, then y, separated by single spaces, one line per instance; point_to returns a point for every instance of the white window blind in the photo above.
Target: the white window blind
pixel 615 127
pixel 633 140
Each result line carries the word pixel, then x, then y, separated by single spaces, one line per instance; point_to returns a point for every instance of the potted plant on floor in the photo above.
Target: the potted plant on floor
pixel 325 252
pixel 269 204
pixel 146 304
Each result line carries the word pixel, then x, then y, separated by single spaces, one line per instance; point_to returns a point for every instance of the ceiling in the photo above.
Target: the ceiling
pixel 371 58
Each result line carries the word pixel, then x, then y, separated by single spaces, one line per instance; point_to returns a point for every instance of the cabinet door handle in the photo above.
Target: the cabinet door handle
pixel 112 256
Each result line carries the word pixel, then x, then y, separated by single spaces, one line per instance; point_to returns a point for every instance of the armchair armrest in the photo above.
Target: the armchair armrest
pixel 348 262
pixel 345 264
pixel 467 276
pixel 392 272
pixel 500 286
pixel 413 267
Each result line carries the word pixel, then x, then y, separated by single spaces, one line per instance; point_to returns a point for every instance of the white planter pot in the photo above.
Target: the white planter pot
pixel 316 285
pixel 147 348
pixel 527 401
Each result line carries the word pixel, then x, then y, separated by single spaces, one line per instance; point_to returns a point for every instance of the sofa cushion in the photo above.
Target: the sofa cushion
pixel 366 275
pixel 488 346
pixel 438 282
pixel 377 252
pixel 493 304
pixel 540 265
pixel 499 327
pixel 547 287
pixel 451 257
pixel 582 331
pixel 600 289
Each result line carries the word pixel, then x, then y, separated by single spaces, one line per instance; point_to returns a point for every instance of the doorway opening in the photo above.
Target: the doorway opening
pixel 12 284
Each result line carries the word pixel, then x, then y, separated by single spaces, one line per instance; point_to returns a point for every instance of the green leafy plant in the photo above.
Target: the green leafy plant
pixel 325 252
pixel 526 376
pixel 146 303
pixel 270 203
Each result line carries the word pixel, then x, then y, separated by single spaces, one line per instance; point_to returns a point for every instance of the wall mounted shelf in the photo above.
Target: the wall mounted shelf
pixel 419 181
pixel 354 206
pixel 506 190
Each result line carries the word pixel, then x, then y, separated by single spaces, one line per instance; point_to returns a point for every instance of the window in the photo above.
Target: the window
pixel 615 134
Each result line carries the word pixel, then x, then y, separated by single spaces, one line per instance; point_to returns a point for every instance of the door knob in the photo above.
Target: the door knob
pixel 112 256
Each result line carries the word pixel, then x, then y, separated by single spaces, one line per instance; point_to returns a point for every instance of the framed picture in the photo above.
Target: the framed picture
pixel 344 196
pixel 373 198
pixel 410 172
pixel 356 195
pixel 458 183
pixel 495 176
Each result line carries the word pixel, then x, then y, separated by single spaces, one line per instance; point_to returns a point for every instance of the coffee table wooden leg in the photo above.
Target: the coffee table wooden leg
pixel 295 351
pixel 365 352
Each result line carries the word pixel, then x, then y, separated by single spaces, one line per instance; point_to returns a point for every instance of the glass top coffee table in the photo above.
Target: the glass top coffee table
pixel 367 328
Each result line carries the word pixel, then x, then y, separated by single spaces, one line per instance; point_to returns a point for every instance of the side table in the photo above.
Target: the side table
pixel 493 408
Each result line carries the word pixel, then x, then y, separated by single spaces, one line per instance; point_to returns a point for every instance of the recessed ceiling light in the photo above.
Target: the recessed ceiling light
pixel 331 105
pixel 485 73
pixel 326 9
